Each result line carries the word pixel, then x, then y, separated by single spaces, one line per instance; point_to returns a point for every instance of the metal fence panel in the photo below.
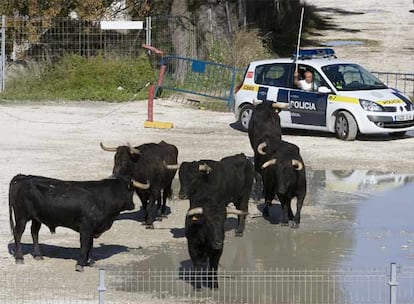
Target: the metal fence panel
pixel 199 77
pixel 282 286
pixel 403 82
pixel 48 39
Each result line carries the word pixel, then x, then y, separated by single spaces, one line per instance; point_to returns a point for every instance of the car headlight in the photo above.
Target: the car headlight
pixel 368 105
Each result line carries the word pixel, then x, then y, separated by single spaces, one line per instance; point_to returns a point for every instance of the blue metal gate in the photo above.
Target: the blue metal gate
pixel 203 78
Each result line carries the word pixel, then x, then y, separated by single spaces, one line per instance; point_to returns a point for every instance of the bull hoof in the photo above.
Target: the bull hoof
pixel 284 224
pixel 38 257
pixel 79 268
pixel 149 226
pixel 164 216
pixel 92 263
pixel 238 233
pixel 293 224
pixel 19 261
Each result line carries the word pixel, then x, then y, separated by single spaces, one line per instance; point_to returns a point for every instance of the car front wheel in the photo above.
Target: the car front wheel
pixel 245 114
pixel 346 127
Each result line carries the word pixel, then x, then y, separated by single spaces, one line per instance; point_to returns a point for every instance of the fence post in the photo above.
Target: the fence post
pixel 101 286
pixel 148 28
pixel 3 54
pixel 393 283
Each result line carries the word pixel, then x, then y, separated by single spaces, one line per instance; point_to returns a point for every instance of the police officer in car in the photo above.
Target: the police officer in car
pixel 306 84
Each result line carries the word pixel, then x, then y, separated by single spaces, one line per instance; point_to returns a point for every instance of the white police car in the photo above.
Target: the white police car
pixel 347 99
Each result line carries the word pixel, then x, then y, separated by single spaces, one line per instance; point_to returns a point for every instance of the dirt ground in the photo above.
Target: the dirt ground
pixel 61 140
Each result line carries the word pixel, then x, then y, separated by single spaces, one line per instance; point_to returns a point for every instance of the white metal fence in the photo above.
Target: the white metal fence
pixel 280 286
pixel 129 284
pixel 404 82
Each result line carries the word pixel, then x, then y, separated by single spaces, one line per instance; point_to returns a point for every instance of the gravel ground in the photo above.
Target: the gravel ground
pixel 61 140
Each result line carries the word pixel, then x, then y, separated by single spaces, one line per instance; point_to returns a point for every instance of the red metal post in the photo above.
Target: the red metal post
pixel 161 77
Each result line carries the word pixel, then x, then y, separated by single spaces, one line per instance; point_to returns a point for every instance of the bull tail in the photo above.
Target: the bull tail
pixel 11 211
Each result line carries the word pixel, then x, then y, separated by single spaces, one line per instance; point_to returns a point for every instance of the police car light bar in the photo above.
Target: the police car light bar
pixel 316 53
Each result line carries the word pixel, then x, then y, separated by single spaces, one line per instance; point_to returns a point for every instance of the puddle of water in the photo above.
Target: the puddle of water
pixel 347 225
pixel 336 43
pixel 353 220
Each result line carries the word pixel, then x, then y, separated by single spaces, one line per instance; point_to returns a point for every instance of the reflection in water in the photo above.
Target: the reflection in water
pixel 342 218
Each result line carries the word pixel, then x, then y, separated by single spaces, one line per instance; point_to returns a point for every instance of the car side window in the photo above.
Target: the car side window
pixel 317 77
pixel 276 74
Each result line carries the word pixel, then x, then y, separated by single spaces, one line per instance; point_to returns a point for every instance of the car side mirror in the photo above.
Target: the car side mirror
pixel 324 90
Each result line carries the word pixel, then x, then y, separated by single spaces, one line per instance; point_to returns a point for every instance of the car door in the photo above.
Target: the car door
pixel 308 108
pixel 271 78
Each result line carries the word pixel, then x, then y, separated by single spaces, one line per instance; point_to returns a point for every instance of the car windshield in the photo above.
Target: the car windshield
pixel 352 77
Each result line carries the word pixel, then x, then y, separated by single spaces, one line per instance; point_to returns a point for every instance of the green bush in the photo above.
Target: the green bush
pixel 78 78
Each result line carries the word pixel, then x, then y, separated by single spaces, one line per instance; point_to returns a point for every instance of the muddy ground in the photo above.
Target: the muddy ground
pixel 61 140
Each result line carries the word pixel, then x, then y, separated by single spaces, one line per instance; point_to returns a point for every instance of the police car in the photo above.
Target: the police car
pixel 346 98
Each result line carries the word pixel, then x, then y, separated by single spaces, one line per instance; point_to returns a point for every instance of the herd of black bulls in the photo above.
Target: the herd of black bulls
pixel 90 207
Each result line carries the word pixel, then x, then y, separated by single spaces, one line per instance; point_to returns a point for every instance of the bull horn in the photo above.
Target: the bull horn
pixel 297 164
pixel 133 150
pixel 171 167
pixel 261 147
pixel 140 185
pixel 257 102
pixel 109 149
pixel 269 163
pixel 236 211
pixel 278 105
pixel 204 167
pixel 195 211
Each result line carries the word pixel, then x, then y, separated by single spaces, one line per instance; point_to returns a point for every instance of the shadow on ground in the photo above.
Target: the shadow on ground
pixel 70 253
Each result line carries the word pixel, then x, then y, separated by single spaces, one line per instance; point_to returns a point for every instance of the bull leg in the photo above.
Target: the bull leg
pixel 144 202
pixel 199 259
pixel 91 261
pixel 86 242
pixel 165 194
pixel 242 218
pixel 214 262
pixel 284 201
pixel 18 232
pixel 159 202
pixel 269 187
pixel 151 211
pixel 35 236
pixel 296 219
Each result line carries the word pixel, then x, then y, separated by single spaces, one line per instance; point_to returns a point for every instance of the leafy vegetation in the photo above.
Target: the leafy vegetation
pixel 79 78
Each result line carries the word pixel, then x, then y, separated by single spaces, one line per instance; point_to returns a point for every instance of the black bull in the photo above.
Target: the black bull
pixel 278 162
pixel 204 230
pixel 283 175
pixel 88 207
pixel 229 180
pixel 264 124
pixel 146 162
